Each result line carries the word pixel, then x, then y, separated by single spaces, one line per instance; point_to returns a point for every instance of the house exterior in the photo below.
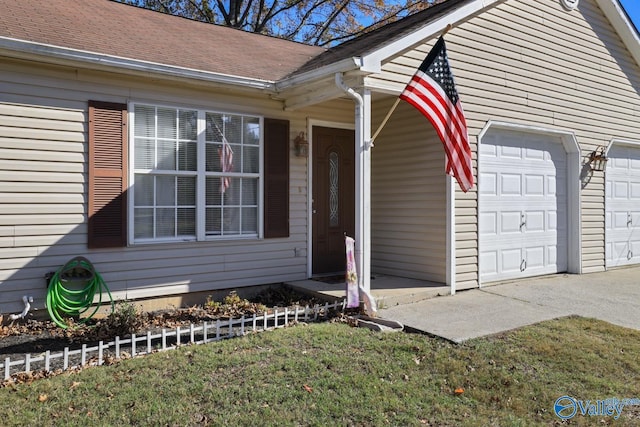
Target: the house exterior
pixel 168 151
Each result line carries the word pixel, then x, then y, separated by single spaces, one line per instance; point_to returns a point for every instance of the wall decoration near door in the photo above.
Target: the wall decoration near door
pixel 333 204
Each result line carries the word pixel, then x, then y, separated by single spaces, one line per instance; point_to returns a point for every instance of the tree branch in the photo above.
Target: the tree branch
pixel 225 14
pixel 200 9
pixel 291 35
pixel 329 21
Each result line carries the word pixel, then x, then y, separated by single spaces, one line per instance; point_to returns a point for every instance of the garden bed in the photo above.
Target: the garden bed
pixel 35 337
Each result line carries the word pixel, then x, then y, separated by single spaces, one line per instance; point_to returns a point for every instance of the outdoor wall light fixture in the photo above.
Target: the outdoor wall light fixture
pixel 598 160
pixel 301 145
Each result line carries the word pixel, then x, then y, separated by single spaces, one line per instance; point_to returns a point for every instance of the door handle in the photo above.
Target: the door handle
pixel 523 220
pixel 523 265
pixel 629 219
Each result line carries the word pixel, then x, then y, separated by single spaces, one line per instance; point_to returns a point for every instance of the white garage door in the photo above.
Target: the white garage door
pixel 523 205
pixel 623 206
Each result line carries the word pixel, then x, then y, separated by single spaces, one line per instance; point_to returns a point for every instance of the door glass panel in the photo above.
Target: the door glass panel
pixel 333 189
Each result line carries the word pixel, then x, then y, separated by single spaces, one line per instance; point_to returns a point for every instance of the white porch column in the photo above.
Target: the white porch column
pixel 363 190
pixel 363 180
pixel 364 194
pixel 451 234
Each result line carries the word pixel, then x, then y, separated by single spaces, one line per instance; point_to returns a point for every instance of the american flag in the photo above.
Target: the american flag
pixel 226 163
pixel 432 91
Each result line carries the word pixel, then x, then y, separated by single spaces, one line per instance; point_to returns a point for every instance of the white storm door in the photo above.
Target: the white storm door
pixel 623 206
pixel 523 206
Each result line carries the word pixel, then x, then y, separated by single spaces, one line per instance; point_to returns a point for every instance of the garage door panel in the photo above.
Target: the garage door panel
pixel 552 255
pixel 535 258
pixel 510 184
pixel 534 154
pixel 552 187
pixel 634 254
pixel 618 253
pixel 534 185
pixel 510 152
pixel 621 190
pixel 489 263
pixel 552 221
pixel 622 218
pixel 523 206
pixel 510 222
pixel 511 260
pixel 488 223
pixel 535 221
pixel 490 186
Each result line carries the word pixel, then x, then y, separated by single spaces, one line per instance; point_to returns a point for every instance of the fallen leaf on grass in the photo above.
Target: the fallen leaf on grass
pixel 74 384
pixel 43 398
pixel 459 391
pixel 306 387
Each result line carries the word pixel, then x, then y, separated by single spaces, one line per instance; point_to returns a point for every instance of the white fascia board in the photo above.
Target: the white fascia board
pixel 372 62
pixel 63 56
pixel 624 27
pixel 344 66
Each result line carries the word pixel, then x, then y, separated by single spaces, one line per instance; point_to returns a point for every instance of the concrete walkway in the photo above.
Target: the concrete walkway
pixel 612 296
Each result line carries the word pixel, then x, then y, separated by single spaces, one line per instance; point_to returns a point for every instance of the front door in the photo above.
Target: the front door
pixel 333 204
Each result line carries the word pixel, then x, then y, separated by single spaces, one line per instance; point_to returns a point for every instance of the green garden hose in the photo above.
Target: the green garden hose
pixel 72 289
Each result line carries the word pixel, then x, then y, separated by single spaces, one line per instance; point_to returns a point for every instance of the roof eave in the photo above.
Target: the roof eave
pixel 373 60
pixel 626 30
pixel 343 66
pixel 22 49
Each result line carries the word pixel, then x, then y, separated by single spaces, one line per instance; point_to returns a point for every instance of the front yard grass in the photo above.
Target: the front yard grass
pixel 334 374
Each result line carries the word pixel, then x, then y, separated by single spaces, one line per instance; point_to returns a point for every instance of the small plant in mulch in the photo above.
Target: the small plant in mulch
pixel 232 307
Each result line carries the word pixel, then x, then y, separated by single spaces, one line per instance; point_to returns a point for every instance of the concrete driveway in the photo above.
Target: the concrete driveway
pixel 612 296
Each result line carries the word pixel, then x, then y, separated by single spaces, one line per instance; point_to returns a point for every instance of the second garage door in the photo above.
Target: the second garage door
pixel 623 206
pixel 522 205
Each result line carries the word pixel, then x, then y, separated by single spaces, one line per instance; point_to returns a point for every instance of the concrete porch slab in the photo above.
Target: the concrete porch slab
pixel 388 291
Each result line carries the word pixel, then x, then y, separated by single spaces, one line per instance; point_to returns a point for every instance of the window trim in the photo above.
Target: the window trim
pixel 200 174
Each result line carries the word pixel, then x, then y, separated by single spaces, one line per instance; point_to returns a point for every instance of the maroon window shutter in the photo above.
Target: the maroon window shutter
pixel 276 173
pixel 107 209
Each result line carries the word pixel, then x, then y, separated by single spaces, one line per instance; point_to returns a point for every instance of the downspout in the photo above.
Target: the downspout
pixel 363 187
pixel 27 300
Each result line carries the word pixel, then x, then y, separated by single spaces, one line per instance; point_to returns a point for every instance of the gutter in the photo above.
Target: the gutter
pixel 62 56
pixel 349 64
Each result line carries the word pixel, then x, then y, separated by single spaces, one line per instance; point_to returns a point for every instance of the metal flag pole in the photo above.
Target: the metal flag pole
pixel 395 104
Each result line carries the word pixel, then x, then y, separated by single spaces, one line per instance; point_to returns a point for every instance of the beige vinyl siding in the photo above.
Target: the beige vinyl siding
pixel 408 204
pixel 43 153
pixel 534 63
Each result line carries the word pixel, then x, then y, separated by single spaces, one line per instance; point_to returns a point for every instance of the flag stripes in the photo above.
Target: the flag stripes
pixel 432 92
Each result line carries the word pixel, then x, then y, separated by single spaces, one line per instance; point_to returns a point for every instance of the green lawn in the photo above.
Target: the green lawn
pixel 331 374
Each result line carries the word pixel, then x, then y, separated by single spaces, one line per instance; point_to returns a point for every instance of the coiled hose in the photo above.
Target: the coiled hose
pixel 72 289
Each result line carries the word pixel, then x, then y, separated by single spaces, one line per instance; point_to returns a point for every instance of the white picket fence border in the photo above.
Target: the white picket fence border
pixel 207 331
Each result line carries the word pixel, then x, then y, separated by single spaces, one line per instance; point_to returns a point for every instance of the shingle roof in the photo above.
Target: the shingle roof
pixel 381 36
pixel 111 28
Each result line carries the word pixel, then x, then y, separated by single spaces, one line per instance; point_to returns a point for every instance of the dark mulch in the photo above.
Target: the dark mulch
pixel 36 336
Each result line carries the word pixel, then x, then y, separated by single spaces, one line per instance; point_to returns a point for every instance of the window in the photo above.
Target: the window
pixel 196 174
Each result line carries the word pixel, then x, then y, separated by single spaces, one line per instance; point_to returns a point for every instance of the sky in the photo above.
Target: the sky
pixel 633 10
